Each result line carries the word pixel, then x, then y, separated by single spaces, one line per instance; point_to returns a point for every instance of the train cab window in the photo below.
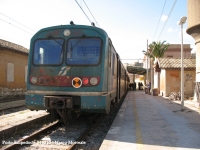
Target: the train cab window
pixel 83 51
pixel 48 52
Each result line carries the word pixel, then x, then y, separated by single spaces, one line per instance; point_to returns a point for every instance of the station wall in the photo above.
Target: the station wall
pixel 13 69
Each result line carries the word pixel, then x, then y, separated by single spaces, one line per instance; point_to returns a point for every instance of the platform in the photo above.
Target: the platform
pixel 147 122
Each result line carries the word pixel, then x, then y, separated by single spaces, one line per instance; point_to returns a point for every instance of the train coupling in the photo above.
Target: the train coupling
pixel 58 102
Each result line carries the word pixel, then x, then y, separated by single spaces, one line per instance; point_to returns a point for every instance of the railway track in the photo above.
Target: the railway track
pixel 11 104
pixel 37 144
pixel 85 133
pixel 15 107
pixel 22 142
pixel 9 99
pixel 93 140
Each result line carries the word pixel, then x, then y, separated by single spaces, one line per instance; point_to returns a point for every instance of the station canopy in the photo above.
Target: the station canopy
pixel 136 70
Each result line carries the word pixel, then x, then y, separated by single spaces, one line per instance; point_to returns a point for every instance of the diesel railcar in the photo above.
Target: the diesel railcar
pixel 74 69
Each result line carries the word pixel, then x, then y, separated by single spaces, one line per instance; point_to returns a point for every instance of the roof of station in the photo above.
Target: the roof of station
pixel 165 63
pixel 136 70
pixel 176 63
pixel 13 46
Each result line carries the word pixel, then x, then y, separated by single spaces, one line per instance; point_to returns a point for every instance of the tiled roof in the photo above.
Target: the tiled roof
pixel 175 46
pixel 176 62
pixel 12 46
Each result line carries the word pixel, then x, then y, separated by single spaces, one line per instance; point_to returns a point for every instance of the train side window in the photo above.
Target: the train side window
pixel 122 72
pixel 109 56
pixel 113 64
pixel 119 70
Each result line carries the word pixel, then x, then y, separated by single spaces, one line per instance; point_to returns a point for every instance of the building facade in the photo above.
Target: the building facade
pixel 13 64
pixel 170 76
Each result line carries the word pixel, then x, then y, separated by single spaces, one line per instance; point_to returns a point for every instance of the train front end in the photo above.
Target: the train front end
pixel 67 70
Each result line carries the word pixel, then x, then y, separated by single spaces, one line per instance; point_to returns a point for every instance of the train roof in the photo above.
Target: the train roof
pixel 103 32
pixel 73 27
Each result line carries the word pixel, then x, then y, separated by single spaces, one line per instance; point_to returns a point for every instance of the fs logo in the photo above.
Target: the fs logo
pixel 63 71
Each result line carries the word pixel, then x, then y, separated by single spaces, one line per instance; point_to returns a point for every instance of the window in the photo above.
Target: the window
pixel 48 52
pixel 10 72
pixel 113 64
pixel 83 51
pixel 109 56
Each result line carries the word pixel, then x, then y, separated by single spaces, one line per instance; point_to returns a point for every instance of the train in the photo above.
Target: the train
pixel 72 70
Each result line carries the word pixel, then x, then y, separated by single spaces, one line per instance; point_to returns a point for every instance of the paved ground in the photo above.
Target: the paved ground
pixel 147 122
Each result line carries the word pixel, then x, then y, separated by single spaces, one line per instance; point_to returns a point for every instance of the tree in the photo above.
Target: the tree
pixel 156 51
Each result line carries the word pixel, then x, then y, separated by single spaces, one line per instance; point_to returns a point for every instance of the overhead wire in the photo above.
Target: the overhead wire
pixel 159 19
pixel 90 13
pixel 83 11
pixel 167 18
pixel 17 22
pixel 16 27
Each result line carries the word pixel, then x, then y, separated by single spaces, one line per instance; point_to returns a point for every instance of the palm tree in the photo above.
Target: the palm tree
pixel 156 51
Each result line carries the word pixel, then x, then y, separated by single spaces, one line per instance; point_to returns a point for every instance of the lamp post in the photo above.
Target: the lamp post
pixel 147 80
pixel 181 22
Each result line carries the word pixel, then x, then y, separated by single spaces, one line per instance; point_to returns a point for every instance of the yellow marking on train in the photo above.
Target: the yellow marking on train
pixel 138 133
pixel 76 82
pixel 76 79
pixel 76 85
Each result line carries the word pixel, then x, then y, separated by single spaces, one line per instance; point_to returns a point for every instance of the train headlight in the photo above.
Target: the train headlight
pixel 85 81
pixel 93 81
pixel 34 80
pixel 66 32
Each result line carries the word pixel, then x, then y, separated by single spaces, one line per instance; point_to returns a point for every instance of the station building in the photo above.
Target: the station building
pixel 13 64
pixel 167 71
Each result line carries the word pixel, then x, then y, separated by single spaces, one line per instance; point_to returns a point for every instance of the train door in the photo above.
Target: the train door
pixel 122 81
pixel 112 71
pixel 118 80
pixel 126 82
pixel 109 68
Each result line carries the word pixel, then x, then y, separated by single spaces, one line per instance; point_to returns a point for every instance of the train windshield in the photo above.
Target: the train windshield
pixel 83 51
pixel 48 52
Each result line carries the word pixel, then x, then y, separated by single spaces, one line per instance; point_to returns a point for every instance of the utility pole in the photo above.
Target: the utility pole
pixel 147 79
pixel 181 22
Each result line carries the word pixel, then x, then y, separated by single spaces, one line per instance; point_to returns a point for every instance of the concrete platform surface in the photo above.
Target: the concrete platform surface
pixel 146 122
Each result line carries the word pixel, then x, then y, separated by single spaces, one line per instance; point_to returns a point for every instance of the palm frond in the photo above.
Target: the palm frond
pixel 158 48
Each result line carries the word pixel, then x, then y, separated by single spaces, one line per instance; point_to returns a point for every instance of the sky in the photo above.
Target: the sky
pixel 129 23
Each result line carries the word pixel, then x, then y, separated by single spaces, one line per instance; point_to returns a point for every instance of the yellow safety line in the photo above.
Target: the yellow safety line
pixel 139 141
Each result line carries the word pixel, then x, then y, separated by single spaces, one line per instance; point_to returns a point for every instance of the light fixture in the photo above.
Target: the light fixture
pixel 66 32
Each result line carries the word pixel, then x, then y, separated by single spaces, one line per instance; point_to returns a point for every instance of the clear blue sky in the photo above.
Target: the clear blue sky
pixel 129 23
